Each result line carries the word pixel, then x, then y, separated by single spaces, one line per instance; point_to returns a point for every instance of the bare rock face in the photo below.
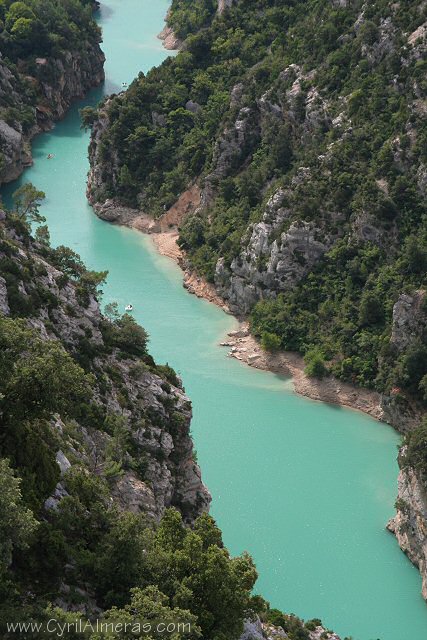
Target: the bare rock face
pixel 132 494
pixel 257 630
pixel 230 150
pixel 280 249
pixel 15 153
pixel 252 630
pixel 115 212
pixel 157 414
pixel 225 4
pixel 409 525
pixel 409 319
pixel 4 304
pixel 278 254
pixel 321 634
pixel 95 190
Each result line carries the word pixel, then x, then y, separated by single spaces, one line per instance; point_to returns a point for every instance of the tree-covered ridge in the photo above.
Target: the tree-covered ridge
pixel 303 123
pixel 49 56
pixel 85 413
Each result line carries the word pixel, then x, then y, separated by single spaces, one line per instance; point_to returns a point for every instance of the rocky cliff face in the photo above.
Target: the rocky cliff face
pixel 283 247
pixel 148 402
pixel 410 522
pixel 100 170
pixel 45 92
pixel 256 630
pixel 224 4
pixel 273 259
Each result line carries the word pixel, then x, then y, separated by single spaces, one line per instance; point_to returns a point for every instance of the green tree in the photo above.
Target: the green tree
pixel 416 452
pixel 40 380
pixel 315 364
pixel 88 117
pixel 26 203
pixel 151 606
pixel 270 341
pixel 371 310
pixel 22 29
pixel 111 311
pixel 17 523
pixel 414 257
pixel 42 235
pixel 18 11
pixel 130 336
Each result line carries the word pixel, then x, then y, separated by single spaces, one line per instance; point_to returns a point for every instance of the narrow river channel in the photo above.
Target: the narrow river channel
pixel 305 487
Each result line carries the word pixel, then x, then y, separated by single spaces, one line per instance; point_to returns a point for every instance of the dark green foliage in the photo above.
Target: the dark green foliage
pixel 270 341
pixel 38 378
pixel 26 202
pixel 45 27
pixel 88 116
pixel 416 452
pixel 368 172
pixel 49 405
pixel 88 282
pixel 188 16
pixel 124 333
pixel 315 364
pixel 17 523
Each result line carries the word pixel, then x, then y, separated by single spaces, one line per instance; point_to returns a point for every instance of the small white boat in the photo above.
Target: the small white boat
pixel 129 307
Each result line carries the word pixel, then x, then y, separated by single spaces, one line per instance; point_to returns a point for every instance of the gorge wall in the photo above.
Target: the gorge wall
pixel 304 129
pixel 36 89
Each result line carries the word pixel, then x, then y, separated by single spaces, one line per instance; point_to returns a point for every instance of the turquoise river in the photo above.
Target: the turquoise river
pixel 305 487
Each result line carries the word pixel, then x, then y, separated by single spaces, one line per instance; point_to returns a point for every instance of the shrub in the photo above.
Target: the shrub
pixel 270 341
pixel 416 453
pixel 315 364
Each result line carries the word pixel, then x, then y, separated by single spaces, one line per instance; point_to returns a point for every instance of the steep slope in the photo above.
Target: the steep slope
pixel 94 448
pixel 143 402
pixel 303 126
pixel 308 148
pixel 49 57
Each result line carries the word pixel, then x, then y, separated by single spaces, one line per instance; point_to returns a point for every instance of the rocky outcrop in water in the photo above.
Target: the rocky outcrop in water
pixel 45 92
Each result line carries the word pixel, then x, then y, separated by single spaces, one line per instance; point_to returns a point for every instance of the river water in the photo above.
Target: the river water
pixel 305 487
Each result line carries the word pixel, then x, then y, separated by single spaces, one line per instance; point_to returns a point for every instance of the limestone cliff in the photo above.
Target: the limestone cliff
pixel 409 525
pixel 312 182
pixel 157 470
pixel 257 630
pixel 43 90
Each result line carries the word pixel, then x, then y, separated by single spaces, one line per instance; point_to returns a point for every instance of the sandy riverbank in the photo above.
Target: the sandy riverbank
pixel 165 243
pixel 244 347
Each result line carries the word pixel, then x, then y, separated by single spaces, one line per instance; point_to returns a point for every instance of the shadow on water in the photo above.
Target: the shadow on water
pixel 104 13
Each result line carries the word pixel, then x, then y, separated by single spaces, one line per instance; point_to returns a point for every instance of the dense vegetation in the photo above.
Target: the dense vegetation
pixel 415 455
pixel 36 40
pixel 188 16
pixel 30 28
pixel 357 126
pixel 84 553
